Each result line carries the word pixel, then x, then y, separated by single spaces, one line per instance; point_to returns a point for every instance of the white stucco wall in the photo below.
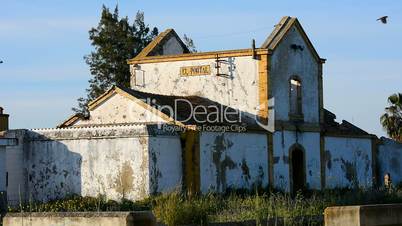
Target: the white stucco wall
pixel 15 168
pixel 3 168
pixel 390 160
pixel 283 141
pixel 348 162
pixel 285 63
pixel 165 165
pixel 111 161
pixel 233 160
pixel 119 109
pixel 239 92
pixel 172 47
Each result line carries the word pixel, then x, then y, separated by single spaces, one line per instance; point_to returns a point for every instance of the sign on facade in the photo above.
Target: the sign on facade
pixel 195 70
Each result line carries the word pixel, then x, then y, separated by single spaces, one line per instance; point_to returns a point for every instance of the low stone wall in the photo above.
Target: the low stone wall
pixel 368 215
pixel 140 218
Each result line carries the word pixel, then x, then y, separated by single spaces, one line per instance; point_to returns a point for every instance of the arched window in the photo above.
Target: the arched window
pixel 295 96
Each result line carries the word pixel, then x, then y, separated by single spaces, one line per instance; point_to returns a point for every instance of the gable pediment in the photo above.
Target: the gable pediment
pixel 166 43
pixel 282 29
pixel 116 106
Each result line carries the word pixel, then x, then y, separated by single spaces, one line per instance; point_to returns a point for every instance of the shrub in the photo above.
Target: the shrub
pixel 177 208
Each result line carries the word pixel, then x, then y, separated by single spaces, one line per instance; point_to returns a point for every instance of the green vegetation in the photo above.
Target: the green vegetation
pixel 179 209
pixel 391 120
pixel 115 40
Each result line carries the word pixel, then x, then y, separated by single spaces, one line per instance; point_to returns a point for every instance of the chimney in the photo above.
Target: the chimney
pixel 3 120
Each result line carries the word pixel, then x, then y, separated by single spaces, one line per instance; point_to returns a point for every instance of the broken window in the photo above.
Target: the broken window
pixel 295 97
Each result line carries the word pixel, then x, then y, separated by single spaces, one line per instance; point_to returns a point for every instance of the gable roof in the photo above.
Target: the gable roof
pixel 153 47
pixel 184 110
pixel 71 120
pixel 151 53
pixel 280 31
pixel 104 97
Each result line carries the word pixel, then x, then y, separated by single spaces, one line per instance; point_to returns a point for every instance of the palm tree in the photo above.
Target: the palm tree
pixel 392 119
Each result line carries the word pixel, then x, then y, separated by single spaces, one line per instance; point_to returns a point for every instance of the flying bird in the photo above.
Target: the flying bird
pixel 1 61
pixel 383 19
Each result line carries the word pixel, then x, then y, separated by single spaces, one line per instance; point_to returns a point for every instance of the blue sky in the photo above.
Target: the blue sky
pixel 42 44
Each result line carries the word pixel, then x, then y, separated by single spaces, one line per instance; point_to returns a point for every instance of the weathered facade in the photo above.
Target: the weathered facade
pixel 4 143
pixel 204 122
pixel 390 160
pixel 115 161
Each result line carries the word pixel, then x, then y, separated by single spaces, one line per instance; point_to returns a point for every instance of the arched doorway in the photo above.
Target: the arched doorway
pixel 297 168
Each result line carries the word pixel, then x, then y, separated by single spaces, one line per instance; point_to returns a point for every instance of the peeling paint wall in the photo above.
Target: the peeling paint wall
pixel 165 165
pixel 119 109
pixel 239 91
pixel 15 168
pixel 233 160
pixel 389 158
pixel 110 161
pixel 348 162
pixel 2 168
pixel 283 141
pixel 287 62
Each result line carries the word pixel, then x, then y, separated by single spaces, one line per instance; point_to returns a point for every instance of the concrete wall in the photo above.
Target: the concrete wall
pixel 239 92
pixel 348 162
pixel 119 109
pixel 144 218
pixel 15 168
pixel 310 142
pixel 285 63
pixel 3 169
pixel 233 160
pixel 367 215
pixel 112 161
pixel 165 165
pixel 389 158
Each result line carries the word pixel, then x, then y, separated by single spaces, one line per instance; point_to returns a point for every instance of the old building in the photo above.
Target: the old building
pixel 207 121
pixel 4 143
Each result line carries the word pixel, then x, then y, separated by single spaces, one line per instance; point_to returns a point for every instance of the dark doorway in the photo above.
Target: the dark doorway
pixel 297 170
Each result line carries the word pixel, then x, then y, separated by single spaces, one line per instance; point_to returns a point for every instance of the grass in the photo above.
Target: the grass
pixel 178 209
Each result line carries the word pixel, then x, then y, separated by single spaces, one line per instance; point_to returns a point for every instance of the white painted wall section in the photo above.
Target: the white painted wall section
pixel 119 109
pixel 233 160
pixel 390 160
pixel 287 62
pixel 3 168
pixel 283 141
pixel 348 162
pixel 17 181
pixel 165 165
pixel 240 91
pixel 112 161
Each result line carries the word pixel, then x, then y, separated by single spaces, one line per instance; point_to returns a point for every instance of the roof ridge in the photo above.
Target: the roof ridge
pixel 89 126
pixel 157 94
pixel 157 41
pixel 278 28
pixel 285 24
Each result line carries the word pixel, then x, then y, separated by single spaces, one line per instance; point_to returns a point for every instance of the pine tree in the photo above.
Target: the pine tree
pixel 115 41
pixel 189 43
